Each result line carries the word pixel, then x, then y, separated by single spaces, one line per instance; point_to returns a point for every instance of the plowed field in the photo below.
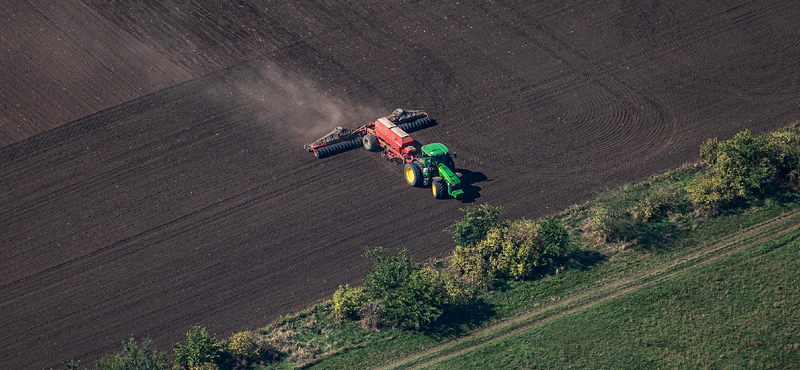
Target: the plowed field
pixel 151 162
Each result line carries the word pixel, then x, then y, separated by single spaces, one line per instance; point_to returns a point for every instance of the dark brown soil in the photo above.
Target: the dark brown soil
pixel 153 176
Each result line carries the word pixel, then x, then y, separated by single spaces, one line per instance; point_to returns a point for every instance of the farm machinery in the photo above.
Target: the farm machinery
pixel 424 165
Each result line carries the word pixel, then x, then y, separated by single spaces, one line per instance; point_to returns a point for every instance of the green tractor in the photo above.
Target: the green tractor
pixel 435 167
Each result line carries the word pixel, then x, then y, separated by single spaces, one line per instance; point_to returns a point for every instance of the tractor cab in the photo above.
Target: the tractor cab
pixel 438 153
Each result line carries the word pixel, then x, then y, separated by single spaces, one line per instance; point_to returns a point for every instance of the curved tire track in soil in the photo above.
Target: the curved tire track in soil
pixel 151 162
pixel 733 244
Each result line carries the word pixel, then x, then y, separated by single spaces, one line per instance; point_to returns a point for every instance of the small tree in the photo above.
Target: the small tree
pixel 709 192
pixel 409 295
pixel 135 356
pixel 786 143
pixel 554 238
pixel 420 300
pixel 388 272
pixel 475 224
pixel 349 301
pixel 199 352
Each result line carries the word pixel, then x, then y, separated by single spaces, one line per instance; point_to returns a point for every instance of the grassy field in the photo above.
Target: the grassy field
pixel 740 312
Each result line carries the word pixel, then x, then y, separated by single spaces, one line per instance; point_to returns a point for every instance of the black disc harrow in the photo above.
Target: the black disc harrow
pixel 412 126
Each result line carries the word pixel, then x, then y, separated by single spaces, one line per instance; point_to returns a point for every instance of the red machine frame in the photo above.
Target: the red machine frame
pixel 390 132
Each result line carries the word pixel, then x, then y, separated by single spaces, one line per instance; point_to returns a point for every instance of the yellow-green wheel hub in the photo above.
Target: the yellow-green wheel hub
pixel 433 187
pixel 410 175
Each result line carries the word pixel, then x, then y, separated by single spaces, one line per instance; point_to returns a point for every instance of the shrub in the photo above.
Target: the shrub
pixel 475 224
pixel 656 204
pixel 417 302
pixel 747 163
pixel 787 144
pixel 646 209
pixel 349 301
pixel 408 295
pixel 515 251
pixel 388 272
pixel 199 352
pixel 530 245
pixel 478 264
pixel 135 356
pixel 744 166
pixel 554 237
pixel 604 226
pixel 709 149
pixel 709 192
pixel 243 346
pixel 456 291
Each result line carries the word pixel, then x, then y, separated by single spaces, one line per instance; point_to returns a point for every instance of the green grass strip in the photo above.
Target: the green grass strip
pixel 746 238
pixel 739 312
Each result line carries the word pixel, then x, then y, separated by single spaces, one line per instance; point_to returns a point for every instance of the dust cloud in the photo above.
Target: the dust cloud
pixel 295 104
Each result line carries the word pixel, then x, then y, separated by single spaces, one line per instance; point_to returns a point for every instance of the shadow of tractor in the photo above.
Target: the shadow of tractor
pixel 468 181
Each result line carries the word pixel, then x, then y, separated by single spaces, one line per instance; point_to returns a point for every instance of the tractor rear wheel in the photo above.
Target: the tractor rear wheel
pixel 370 142
pixel 438 188
pixel 413 174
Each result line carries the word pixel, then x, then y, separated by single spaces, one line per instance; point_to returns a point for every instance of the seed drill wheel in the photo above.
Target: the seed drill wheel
pixel 413 174
pixel 370 142
pixel 438 188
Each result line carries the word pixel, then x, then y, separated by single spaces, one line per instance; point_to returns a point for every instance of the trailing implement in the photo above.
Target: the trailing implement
pixel 424 165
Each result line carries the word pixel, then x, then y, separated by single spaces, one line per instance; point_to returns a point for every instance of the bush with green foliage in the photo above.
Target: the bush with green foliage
pixel 786 143
pixel 744 166
pixel 529 246
pixel 417 302
pixel 605 226
pixel 243 346
pixel 348 302
pixel 709 192
pixel 199 352
pixel 657 202
pixel 388 272
pixel 410 296
pixel 135 356
pixel 514 251
pixel 478 264
pixel 475 224
pixel 646 209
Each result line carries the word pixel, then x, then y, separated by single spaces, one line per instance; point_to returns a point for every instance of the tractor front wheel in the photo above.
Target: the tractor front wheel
pixel 438 188
pixel 413 174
